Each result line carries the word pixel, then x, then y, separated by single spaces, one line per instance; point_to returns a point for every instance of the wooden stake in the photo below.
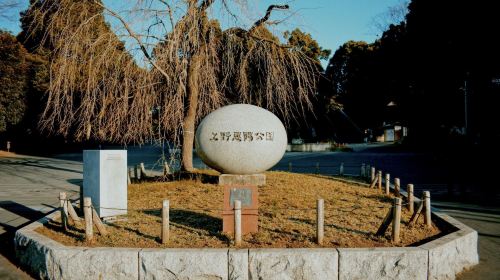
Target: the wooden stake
pixel 415 215
pixel 64 210
pixel 387 183
pixel 396 219
pixel 137 173
pixel 385 223
pixel 131 174
pixel 411 202
pixel 237 222
pixel 87 214
pixel 166 169
pixel 165 221
pixel 98 223
pixel 379 178
pixel 320 221
pixel 397 187
pixel 374 182
pixel 72 213
pixel 143 170
pixel 341 169
pixel 427 202
pixel 372 174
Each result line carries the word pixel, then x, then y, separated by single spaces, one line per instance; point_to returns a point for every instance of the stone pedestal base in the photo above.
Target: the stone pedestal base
pixel 243 188
pixel 242 180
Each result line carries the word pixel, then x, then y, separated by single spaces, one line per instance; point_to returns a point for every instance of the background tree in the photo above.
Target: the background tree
pixel 13 78
pixel 98 91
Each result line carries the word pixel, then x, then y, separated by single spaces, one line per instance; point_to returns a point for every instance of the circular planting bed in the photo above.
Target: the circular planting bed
pixel 284 247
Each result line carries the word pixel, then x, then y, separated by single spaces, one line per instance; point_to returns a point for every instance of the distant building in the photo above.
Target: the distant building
pixel 390 132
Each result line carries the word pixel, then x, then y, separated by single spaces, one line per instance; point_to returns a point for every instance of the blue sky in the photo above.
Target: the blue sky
pixel 330 22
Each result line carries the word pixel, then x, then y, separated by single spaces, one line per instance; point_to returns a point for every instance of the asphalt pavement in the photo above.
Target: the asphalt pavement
pixel 29 188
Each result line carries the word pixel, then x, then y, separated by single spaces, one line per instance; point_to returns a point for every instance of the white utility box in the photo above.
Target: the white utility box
pixel 105 181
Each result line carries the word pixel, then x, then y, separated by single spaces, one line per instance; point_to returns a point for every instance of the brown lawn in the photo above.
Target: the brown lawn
pixel 287 217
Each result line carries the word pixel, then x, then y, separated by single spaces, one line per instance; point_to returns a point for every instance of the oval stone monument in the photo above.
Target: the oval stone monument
pixel 241 139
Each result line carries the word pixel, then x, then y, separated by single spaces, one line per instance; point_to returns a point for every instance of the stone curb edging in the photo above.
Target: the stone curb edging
pixel 441 258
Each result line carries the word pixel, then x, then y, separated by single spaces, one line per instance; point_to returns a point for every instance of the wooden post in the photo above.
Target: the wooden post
pixel 131 174
pixel 87 214
pixel 396 219
pixel 237 222
pixel 165 221
pixel 387 183
pixel 137 173
pixel 317 167
pixel 320 221
pixel 341 169
pixel 367 172
pixel 397 187
pixel 143 170
pixel 427 202
pixel 372 174
pixel 411 203
pixel 290 166
pixel 98 223
pixel 72 213
pixel 129 179
pixel 64 210
pixel 385 223
pixel 166 169
pixel 379 178
pixel 374 182
pixel 363 170
pixel 416 214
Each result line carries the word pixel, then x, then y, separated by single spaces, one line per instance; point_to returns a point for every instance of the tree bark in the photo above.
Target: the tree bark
pixel 188 125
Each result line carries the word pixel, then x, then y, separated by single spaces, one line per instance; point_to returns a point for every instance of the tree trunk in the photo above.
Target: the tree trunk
pixel 190 115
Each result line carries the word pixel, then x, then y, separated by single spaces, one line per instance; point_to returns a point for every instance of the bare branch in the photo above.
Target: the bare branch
pixel 135 37
pixel 267 16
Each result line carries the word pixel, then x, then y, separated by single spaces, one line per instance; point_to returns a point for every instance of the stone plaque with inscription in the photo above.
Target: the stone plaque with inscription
pixel 249 197
pixel 242 194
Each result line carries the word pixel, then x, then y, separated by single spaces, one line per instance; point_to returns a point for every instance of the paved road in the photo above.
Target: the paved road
pixel 29 187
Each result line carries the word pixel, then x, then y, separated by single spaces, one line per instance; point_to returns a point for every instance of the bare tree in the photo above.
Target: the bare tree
pixel 393 15
pixel 189 68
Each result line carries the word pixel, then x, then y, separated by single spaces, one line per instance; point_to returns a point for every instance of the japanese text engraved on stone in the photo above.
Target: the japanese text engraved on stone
pixel 241 136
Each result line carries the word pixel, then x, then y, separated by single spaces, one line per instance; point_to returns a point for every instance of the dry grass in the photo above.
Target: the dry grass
pixel 286 218
pixel 7 154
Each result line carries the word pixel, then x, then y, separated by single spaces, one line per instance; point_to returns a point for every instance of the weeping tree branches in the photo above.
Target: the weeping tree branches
pixel 100 90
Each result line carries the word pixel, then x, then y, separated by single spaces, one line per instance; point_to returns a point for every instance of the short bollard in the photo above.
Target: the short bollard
pixel 410 198
pixel 165 221
pixel 87 213
pixel 387 183
pixel 64 210
pixel 397 187
pixel 237 222
pixel 363 170
pixel 341 169
pixel 379 178
pixel 427 201
pixel 396 219
pixel 320 221
pixel 372 174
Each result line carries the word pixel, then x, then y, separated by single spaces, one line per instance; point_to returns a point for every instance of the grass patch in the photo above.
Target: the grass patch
pixel 287 216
